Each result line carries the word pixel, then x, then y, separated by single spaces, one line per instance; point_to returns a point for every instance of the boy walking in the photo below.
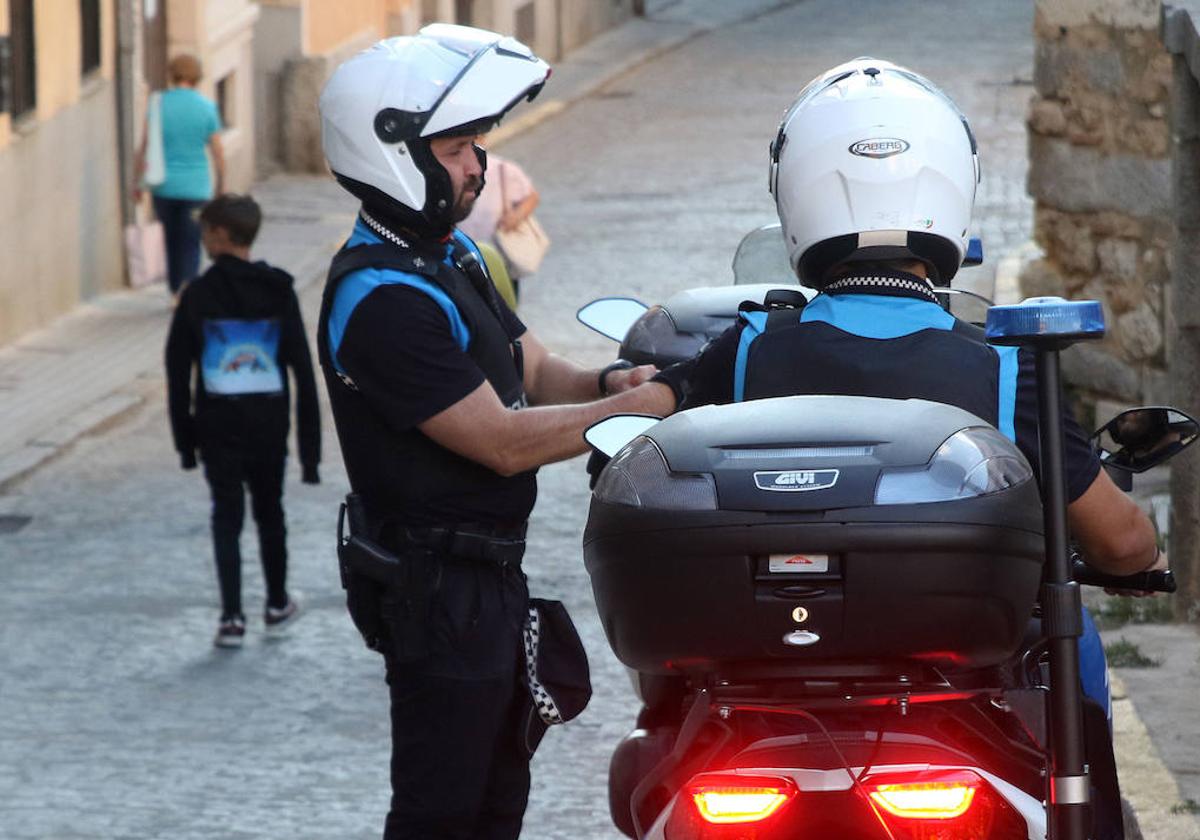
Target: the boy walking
pixel 240 323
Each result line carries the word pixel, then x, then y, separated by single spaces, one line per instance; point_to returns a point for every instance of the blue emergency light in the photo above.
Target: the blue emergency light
pixel 1048 320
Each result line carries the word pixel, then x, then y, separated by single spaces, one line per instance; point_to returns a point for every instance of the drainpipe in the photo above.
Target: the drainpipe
pixel 126 135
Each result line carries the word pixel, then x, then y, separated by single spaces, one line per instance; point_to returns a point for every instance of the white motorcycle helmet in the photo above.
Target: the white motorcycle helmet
pixel 873 162
pixel 381 107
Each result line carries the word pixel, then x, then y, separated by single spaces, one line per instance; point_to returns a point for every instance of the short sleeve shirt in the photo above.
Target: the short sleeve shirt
pixel 189 119
pixel 405 349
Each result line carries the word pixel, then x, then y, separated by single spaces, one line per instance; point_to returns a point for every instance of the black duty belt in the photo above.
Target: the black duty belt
pixel 503 546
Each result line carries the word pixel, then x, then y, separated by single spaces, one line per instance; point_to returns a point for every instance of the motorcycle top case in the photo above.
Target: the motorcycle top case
pixel 815 529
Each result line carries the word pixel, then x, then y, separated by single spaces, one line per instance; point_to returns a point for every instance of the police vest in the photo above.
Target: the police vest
pixel 405 469
pixel 876 346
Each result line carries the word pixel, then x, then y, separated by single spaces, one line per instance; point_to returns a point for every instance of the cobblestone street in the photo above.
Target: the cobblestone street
pixel 118 719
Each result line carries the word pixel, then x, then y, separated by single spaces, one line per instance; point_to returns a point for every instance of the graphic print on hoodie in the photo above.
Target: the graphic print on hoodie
pixel 240 355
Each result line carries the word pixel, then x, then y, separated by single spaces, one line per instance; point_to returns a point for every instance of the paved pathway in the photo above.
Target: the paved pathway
pixel 117 717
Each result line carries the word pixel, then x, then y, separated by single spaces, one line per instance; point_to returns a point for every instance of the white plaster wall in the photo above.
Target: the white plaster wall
pixel 60 225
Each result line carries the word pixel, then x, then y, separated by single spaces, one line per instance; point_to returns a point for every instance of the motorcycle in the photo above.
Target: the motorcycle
pixel 850 616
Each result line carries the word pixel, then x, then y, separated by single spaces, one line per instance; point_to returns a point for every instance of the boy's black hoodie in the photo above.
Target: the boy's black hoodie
pixel 240 324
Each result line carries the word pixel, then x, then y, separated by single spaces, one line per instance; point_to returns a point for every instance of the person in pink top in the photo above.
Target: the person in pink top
pixel 507 199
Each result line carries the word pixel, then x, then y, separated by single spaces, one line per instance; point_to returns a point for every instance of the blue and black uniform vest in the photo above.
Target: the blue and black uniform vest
pixel 403 476
pixel 879 346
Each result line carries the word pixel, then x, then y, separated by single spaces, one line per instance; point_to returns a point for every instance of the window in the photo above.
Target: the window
pixel 225 100
pixel 89 25
pixel 22 94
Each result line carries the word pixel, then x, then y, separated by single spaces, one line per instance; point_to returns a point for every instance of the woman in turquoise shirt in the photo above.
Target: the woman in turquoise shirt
pixel 191 126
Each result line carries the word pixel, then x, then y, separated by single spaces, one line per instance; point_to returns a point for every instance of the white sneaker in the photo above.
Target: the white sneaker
pixel 231 632
pixel 278 619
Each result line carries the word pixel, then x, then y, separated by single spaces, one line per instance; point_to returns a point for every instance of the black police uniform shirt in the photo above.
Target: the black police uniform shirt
pixel 240 323
pixel 402 342
pixel 886 342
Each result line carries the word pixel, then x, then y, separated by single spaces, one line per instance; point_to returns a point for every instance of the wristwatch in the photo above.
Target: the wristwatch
pixel 619 364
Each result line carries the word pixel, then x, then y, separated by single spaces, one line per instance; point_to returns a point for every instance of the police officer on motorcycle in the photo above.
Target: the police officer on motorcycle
pixel 874 173
pixel 431 379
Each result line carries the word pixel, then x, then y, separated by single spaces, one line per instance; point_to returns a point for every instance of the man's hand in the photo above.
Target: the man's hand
pixel 1161 564
pixel 618 381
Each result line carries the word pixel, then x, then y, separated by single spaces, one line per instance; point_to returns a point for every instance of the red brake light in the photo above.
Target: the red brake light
pixel 943 805
pixel 727 799
pixel 944 799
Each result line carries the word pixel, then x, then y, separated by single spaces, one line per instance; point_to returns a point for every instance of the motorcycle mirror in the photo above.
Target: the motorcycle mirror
pixel 974 255
pixel 610 435
pixel 611 317
pixel 1141 438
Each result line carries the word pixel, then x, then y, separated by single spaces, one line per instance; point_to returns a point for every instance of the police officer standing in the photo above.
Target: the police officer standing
pixel 445 406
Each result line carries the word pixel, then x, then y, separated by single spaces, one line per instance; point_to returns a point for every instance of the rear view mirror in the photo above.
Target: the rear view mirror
pixel 1141 438
pixel 612 316
pixel 611 434
pixel 762 257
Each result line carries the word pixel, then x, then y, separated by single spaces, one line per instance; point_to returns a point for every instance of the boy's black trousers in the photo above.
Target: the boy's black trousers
pixel 229 473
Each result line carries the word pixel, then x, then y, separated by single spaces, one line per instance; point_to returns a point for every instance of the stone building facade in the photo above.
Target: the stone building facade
pixel 1100 173
pixel 72 69
pixel 60 221
pixel 299 42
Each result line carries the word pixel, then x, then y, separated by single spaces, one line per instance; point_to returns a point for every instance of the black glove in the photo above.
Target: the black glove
pixel 309 475
pixel 187 460
pixel 674 377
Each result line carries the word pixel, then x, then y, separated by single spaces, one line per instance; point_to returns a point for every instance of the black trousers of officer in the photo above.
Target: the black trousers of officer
pixel 460 770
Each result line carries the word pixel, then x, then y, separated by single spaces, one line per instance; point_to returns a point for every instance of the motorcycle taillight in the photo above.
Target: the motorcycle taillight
pixel 943 805
pixel 727 806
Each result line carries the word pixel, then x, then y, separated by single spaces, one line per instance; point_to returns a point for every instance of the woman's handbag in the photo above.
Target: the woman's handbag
pixel 556 670
pixel 156 163
pixel 145 253
pixel 525 245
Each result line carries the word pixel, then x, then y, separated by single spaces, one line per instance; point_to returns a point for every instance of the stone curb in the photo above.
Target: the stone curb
pixel 1146 783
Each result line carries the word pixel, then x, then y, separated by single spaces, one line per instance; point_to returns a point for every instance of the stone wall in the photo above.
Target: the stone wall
pixel 1099 171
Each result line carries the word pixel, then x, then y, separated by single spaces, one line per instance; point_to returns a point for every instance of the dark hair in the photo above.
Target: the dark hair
pixel 862 268
pixel 239 215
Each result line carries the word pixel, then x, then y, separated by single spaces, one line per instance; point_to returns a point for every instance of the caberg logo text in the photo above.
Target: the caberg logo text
pixel 794 481
pixel 879 147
